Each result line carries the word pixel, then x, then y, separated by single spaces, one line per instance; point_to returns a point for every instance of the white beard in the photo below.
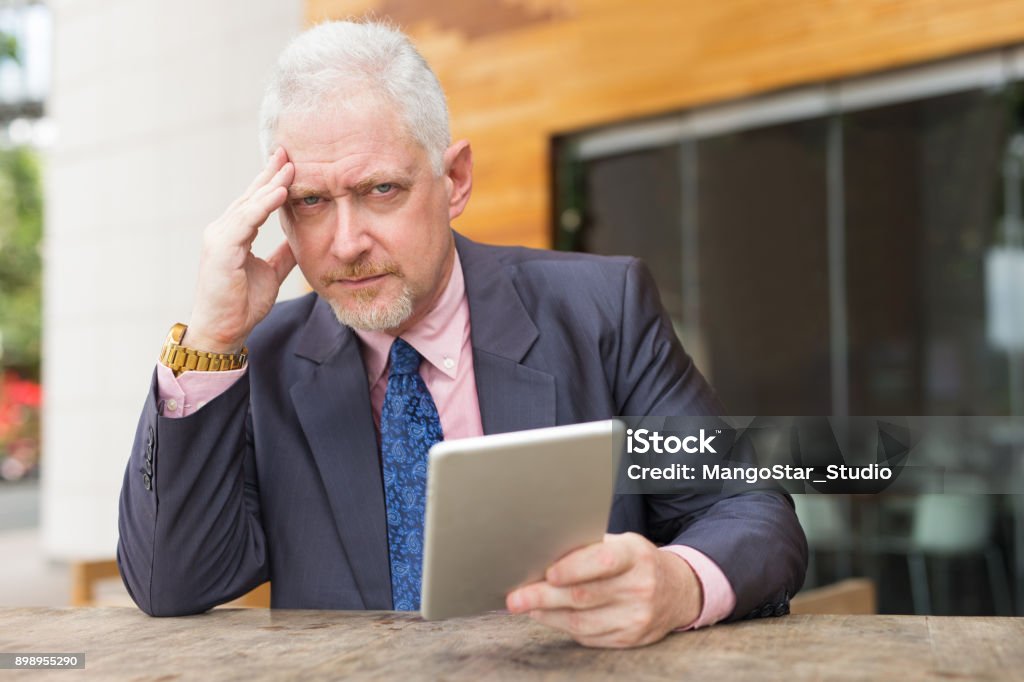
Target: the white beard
pixel 375 316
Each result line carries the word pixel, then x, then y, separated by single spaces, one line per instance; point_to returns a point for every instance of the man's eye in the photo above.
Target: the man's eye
pixel 310 201
pixel 383 188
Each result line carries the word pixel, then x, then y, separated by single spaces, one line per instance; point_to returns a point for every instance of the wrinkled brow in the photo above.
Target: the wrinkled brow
pixel 362 187
pixel 395 177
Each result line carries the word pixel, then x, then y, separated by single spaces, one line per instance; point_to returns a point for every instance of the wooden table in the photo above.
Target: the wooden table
pixel 257 644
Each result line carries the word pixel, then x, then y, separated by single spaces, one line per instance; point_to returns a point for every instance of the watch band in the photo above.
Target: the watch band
pixel 183 359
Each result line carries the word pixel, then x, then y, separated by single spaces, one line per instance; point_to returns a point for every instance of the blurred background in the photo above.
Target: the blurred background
pixel 828 193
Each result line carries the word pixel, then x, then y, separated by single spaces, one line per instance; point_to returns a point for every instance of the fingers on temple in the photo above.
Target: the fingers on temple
pixel 274 162
pixel 256 209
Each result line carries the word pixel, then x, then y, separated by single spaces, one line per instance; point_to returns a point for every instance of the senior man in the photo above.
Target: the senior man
pixel 288 442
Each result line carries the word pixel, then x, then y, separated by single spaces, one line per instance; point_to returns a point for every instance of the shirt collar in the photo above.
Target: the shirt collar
pixel 438 337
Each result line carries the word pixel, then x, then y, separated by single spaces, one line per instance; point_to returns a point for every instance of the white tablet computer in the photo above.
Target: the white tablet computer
pixel 502 508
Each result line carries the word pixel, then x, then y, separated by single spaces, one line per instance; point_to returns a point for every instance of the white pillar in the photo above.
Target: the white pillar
pixel 155 105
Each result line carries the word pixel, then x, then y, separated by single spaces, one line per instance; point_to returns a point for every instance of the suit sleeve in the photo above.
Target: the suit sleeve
pixel 753 537
pixel 189 522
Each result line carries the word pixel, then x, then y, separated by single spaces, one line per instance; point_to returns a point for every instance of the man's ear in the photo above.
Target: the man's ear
pixel 458 166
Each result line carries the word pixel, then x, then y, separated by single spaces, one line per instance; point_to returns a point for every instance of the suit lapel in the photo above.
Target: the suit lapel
pixel 512 396
pixel 333 406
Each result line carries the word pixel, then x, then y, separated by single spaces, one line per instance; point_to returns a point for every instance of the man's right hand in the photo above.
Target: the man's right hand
pixel 236 289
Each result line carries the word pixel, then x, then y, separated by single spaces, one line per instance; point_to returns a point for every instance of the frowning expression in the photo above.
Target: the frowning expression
pixel 367 217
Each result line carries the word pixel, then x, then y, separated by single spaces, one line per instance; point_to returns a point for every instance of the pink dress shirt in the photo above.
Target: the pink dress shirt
pixel 442 337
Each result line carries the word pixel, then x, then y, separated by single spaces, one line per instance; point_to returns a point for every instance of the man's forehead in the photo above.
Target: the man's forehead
pixel 337 150
pixel 349 142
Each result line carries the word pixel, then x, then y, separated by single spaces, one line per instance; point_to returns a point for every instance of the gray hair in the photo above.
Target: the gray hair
pixel 319 64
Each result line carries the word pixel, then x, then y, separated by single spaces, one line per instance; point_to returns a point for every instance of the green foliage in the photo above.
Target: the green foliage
pixel 8 47
pixel 21 230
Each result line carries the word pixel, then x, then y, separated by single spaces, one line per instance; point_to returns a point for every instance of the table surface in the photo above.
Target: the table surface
pixel 256 644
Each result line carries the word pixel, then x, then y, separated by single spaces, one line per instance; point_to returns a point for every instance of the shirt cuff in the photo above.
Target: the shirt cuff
pixel 182 395
pixel 719 598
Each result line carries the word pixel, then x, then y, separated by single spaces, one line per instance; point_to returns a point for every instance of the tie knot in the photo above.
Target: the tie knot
pixel 404 358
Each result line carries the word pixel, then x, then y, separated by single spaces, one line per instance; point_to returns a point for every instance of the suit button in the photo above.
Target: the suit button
pixel 149 468
pixel 781 609
pixel 147 481
pixel 149 438
pixel 766 611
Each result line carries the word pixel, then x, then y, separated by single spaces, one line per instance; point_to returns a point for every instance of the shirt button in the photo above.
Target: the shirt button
pixel 172 405
pixel 448 363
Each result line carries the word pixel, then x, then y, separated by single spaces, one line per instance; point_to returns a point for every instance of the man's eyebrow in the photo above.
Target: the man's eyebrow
pixel 302 191
pixel 380 178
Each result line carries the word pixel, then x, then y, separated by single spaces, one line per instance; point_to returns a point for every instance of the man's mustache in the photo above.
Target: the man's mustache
pixel 361 270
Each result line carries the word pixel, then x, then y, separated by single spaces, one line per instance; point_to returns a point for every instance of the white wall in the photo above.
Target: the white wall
pixel 155 105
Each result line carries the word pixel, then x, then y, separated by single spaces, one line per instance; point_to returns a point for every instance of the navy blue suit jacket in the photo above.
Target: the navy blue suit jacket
pixel 279 477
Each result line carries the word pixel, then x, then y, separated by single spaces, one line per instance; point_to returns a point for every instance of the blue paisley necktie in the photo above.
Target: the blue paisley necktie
pixel 409 426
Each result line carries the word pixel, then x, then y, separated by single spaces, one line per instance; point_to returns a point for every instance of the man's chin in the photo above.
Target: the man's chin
pixel 373 316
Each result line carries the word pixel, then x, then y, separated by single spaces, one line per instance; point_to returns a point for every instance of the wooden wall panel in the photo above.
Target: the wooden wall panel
pixel 518 72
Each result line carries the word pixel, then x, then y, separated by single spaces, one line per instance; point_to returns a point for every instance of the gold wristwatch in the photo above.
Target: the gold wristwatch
pixel 181 359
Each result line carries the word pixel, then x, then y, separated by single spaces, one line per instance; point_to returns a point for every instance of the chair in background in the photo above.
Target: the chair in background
pixel 88 578
pixel 826 520
pixel 855 596
pixel 952 526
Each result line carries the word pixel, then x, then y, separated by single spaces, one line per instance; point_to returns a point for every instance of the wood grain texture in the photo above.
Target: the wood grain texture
pixel 518 72
pixel 256 644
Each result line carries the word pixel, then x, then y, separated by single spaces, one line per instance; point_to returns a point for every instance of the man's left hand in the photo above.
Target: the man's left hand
pixel 622 592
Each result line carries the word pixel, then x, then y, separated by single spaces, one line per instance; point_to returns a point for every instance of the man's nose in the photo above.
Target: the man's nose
pixel 351 237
